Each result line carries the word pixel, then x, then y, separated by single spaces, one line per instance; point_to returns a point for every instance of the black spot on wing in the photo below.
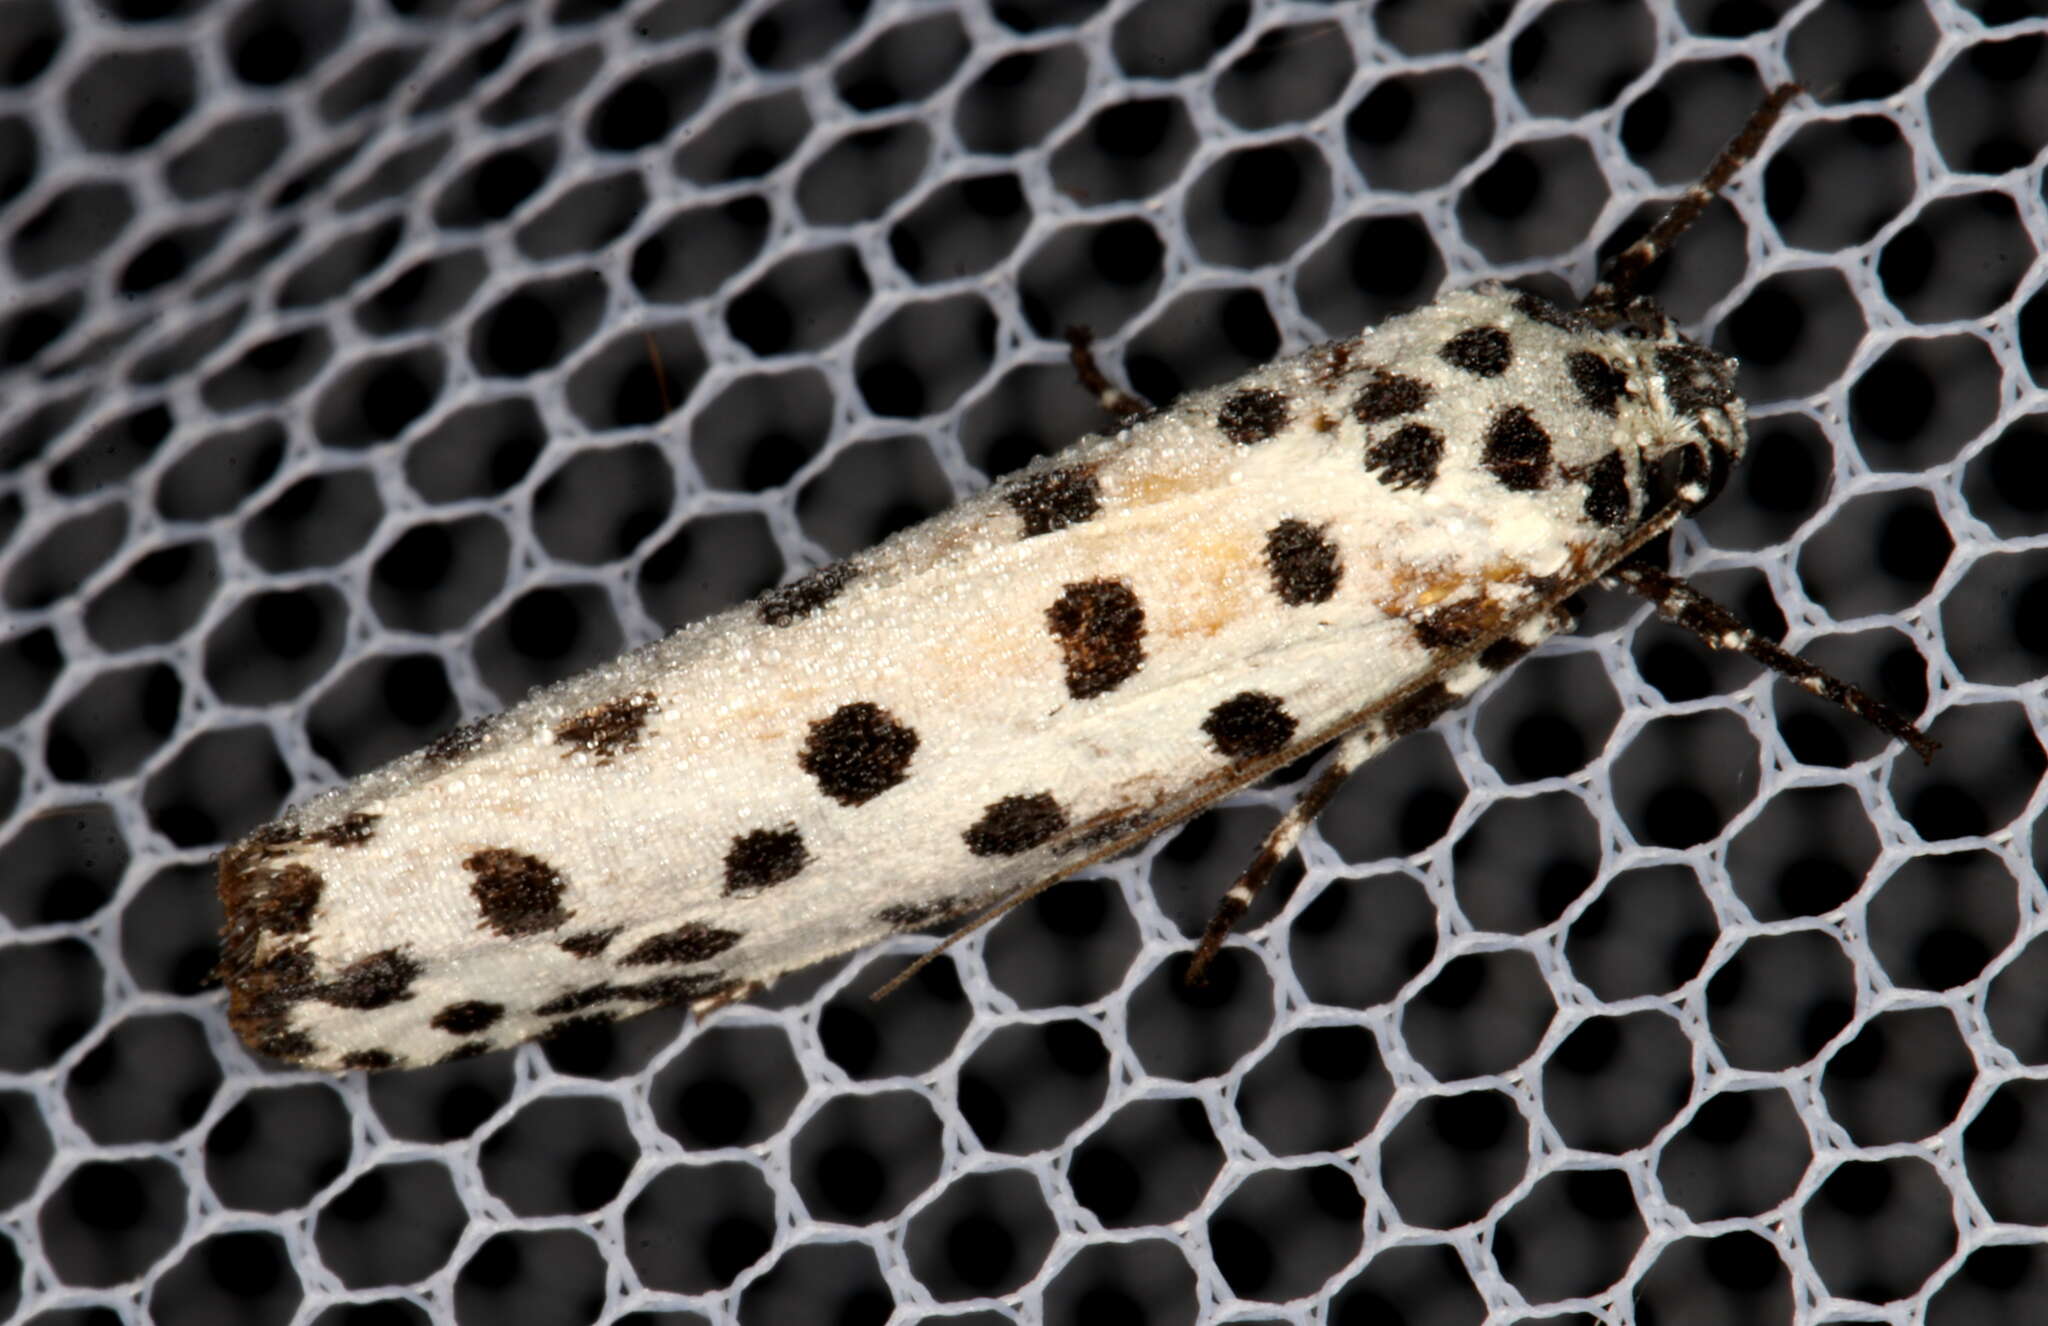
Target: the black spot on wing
pixel 1249 726
pixel 1419 710
pixel 1599 383
pixel 459 741
pixel 467 1018
pixel 918 915
pixel 588 944
pixel 1607 496
pixel 292 897
pixel 1454 625
pixel 1388 396
pixel 1302 563
pixel 1481 351
pixel 293 1046
pixel 690 942
pixel 858 753
pixel 1252 416
pixel 555 1031
pixel 1517 450
pixel 577 1000
pixel 1056 499
pixel 1100 627
pixel 760 858
pixel 609 730
pixel 1408 459
pixel 798 599
pixel 262 993
pixel 369 1060
pixel 516 894
pixel 349 831
pixel 1015 825
pixel 680 987
pixel 1502 654
pixel 288 974
pixel 373 982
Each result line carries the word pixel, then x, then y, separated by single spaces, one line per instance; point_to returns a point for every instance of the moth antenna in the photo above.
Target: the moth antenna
pixel 1617 283
pixel 1121 405
pixel 1682 605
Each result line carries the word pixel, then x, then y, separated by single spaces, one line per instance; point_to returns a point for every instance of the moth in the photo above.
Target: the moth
pixel 1332 550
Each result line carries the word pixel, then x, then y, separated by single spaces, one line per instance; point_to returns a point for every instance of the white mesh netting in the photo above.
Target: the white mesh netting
pixel 364 364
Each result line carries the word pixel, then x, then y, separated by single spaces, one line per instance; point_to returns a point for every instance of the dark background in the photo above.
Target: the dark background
pixel 365 364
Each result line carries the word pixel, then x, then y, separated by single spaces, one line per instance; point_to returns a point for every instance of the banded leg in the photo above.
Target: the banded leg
pixel 1411 714
pixel 1352 750
pixel 1682 605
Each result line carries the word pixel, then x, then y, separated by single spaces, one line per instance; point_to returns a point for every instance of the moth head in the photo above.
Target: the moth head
pixel 1692 388
pixel 1699 427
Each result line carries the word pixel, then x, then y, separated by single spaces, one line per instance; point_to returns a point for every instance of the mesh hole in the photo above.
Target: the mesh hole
pixel 862 1159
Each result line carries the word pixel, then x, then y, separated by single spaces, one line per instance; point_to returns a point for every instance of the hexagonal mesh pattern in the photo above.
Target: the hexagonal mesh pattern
pixel 366 363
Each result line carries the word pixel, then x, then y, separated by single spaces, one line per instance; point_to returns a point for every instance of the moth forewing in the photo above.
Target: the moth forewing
pixel 1340 545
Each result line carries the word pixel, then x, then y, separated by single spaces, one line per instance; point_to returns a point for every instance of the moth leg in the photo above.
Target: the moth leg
pixel 1120 404
pixel 1682 605
pixel 1353 749
pixel 1362 743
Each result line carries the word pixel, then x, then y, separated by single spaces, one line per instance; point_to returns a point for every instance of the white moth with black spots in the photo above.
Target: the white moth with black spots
pixel 1335 548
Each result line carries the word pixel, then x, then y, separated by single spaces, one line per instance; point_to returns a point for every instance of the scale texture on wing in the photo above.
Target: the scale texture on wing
pixel 1087 650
